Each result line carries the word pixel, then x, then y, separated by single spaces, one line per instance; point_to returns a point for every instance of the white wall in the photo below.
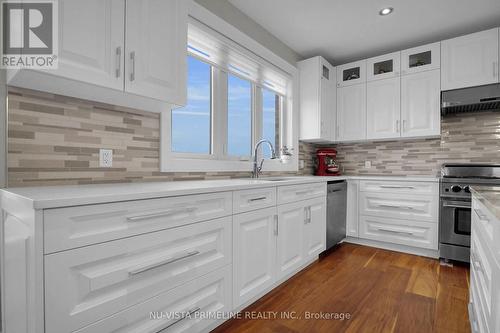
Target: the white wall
pixel 233 16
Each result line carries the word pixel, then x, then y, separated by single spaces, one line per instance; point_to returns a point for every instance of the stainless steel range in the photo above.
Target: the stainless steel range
pixel 455 205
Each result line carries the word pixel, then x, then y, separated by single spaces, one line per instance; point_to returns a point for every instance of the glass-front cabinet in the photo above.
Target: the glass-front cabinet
pixel 422 58
pixel 351 73
pixel 383 67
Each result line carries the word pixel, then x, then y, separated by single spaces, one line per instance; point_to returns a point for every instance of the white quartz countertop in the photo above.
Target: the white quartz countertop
pixel 76 195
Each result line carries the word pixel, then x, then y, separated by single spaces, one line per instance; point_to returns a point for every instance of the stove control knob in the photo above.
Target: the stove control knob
pixel 456 188
pixel 467 189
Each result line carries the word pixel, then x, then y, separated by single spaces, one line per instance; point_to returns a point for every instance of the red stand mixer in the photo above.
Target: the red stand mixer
pixel 326 164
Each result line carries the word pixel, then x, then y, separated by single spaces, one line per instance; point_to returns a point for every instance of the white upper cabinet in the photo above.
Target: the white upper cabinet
pixel 352 73
pixel 318 116
pixel 156 50
pixel 383 109
pixel 420 104
pixel 351 112
pixel 91 41
pixel 383 67
pixel 470 60
pixel 421 58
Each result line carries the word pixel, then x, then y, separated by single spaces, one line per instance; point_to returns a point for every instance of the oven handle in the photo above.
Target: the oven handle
pixel 456 204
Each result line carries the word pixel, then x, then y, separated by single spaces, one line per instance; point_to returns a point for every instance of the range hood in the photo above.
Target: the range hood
pixel 475 99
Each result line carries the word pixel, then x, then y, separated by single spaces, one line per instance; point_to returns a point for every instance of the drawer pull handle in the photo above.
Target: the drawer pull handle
pixel 396 231
pixel 395 206
pixel 302 192
pixel 475 262
pixel 189 313
pixel 160 214
pixel 276 225
pixel 396 186
pixel 480 215
pixel 162 263
pixel 257 199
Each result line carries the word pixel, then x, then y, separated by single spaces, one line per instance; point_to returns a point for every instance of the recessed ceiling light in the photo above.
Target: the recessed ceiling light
pixel 386 11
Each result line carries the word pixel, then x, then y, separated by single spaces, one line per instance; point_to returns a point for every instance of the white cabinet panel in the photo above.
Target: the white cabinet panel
pixel 352 73
pixel 254 257
pixel 409 233
pixel 91 41
pixel 421 58
pixel 352 208
pixel 291 219
pixel 156 49
pixel 402 206
pixel 210 295
pixel 420 104
pixel 66 228
pixel 90 283
pixel 470 60
pixel 351 112
pixel 293 193
pixel 314 228
pixel 383 67
pixel 247 200
pixel 383 109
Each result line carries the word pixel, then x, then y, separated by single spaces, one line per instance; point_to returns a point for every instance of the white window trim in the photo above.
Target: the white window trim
pixel 185 162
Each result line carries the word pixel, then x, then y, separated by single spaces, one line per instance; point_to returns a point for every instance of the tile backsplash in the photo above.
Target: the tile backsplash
pixel 465 138
pixel 55 140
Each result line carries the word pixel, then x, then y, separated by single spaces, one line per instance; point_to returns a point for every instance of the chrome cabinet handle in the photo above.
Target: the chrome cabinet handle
pixel 160 214
pixel 302 192
pixel 307 213
pixel 276 227
pixel 495 69
pixel 404 125
pixel 162 263
pixel 132 60
pixel 476 262
pixel 396 186
pixel 396 206
pixel 397 126
pixel 118 72
pixel 480 215
pixel 257 199
pixel 189 313
pixel 395 231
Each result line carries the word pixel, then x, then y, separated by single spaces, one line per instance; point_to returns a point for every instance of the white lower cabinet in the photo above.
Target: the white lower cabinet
pixel 90 283
pixel 291 222
pixel 254 239
pixel 314 228
pixel 352 208
pixel 193 303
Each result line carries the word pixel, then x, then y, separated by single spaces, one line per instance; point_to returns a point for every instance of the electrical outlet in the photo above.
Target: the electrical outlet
pixel 105 158
pixel 368 164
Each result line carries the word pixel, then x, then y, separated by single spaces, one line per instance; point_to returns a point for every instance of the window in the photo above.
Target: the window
pixel 191 125
pixel 239 116
pixel 271 105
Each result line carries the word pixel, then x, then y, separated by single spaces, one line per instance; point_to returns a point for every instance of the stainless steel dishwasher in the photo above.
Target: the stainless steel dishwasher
pixel 336 212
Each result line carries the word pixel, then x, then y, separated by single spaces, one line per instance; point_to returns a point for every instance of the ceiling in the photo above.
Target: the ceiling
pixel 348 30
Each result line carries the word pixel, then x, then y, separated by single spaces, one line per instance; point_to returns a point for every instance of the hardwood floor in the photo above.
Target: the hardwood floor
pixel 383 291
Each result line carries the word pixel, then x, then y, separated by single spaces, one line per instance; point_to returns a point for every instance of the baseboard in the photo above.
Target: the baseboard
pixel 394 247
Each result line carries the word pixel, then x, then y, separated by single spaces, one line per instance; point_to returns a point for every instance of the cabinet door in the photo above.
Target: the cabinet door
pixel 314 228
pixel 351 112
pixel 91 41
pixel 420 104
pixel 156 51
pixel 291 218
pixel 383 106
pixel 421 58
pixel 352 73
pixel 470 60
pixel 254 256
pixel 383 67
pixel 352 208
pixel 328 104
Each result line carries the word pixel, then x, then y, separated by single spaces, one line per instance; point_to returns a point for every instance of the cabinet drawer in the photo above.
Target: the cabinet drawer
pixel 90 283
pixel 403 206
pixel 417 234
pixel 427 188
pixel 487 225
pixel 184 309
pixel 67 228
pixel 247 200
pixel 293 193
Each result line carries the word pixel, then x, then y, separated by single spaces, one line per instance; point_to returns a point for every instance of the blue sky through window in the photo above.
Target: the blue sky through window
pixel 191 124
pixel 269 120
pixel 239 116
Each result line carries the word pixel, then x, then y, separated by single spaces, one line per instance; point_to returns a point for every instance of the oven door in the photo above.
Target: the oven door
pixel 455 222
